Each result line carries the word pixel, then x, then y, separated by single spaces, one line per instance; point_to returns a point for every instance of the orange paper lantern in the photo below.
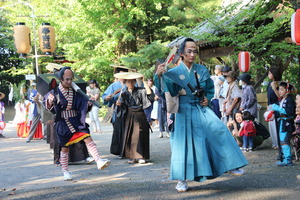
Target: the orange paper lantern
pixel 47 38
pixel 22 38
pixel 244 61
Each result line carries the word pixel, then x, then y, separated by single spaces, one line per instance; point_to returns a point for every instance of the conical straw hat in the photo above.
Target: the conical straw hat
pixel 128 75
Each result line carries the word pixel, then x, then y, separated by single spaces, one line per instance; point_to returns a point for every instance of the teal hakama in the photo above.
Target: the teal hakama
pixel 202 146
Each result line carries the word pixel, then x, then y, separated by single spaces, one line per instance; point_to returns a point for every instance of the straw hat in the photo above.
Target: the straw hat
pixel 128 75
pixel 2 95
pixel 52 67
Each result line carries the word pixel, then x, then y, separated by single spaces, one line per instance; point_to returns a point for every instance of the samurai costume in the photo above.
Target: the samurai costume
pixel 202 146
pixel 117 120
pixel 70 110
pixel 136 144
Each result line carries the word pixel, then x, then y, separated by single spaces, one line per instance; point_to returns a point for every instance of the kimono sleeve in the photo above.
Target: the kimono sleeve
pixel 209 89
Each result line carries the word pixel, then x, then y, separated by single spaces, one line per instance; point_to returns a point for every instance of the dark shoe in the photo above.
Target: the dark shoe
pixel 2 136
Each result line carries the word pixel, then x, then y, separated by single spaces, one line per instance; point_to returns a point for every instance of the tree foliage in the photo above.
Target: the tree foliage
pixel 262 29
pixel 98 33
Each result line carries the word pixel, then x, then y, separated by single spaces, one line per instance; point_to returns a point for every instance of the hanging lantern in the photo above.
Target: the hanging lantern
pixel 244 61
pixel 2 125
pixel 47 38
pixel 295 27
pixel 22 38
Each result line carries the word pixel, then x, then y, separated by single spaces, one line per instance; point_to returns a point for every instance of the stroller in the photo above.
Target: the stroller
pixel 295 141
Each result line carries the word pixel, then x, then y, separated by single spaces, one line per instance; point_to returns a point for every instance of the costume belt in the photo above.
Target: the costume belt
pixel 66 114
pixel 185 99
pixel 285 117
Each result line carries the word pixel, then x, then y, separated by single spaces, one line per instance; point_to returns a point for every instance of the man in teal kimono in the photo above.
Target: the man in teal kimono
pixel 202 146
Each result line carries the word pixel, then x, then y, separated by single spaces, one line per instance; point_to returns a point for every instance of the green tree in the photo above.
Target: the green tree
pixel 263 29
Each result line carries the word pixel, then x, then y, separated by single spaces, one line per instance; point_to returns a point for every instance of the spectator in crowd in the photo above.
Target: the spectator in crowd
pixel 249 100
pixel 2 111
pixel 217 86
pixel 296 134
pixel 285 110
pixel 233 97
pixel 273 96
pixel 234 125
pixel 221 98
pixel 247 131
pixel 93 91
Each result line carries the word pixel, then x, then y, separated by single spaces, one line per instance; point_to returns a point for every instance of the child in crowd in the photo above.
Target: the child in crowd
pixel 247 131
pixel 286 113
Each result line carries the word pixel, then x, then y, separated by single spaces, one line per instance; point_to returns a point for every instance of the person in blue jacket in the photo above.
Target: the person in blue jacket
pixel 285 110
pixel 202 146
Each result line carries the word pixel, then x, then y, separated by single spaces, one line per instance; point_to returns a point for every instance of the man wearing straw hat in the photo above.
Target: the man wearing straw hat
pixel 110 97
pixel 136 131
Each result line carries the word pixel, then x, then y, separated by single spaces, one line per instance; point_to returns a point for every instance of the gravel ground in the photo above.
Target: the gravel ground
pixel 27 172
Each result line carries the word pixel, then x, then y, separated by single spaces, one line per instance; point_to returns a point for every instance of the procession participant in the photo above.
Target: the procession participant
pixel 70 109
pixel 35 116
pixel 21 117
pixel 136 130
pixel 110 97
pixel 202 147
pixel 150 108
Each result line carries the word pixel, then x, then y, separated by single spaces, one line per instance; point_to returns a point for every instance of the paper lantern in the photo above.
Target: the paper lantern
pixel 22 38
pixel 269 116
pixel 2 125
pixel 295 27
pixel 244 61
pixel 47 38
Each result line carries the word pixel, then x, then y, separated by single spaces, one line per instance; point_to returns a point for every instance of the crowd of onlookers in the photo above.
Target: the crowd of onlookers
pixel 238 108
